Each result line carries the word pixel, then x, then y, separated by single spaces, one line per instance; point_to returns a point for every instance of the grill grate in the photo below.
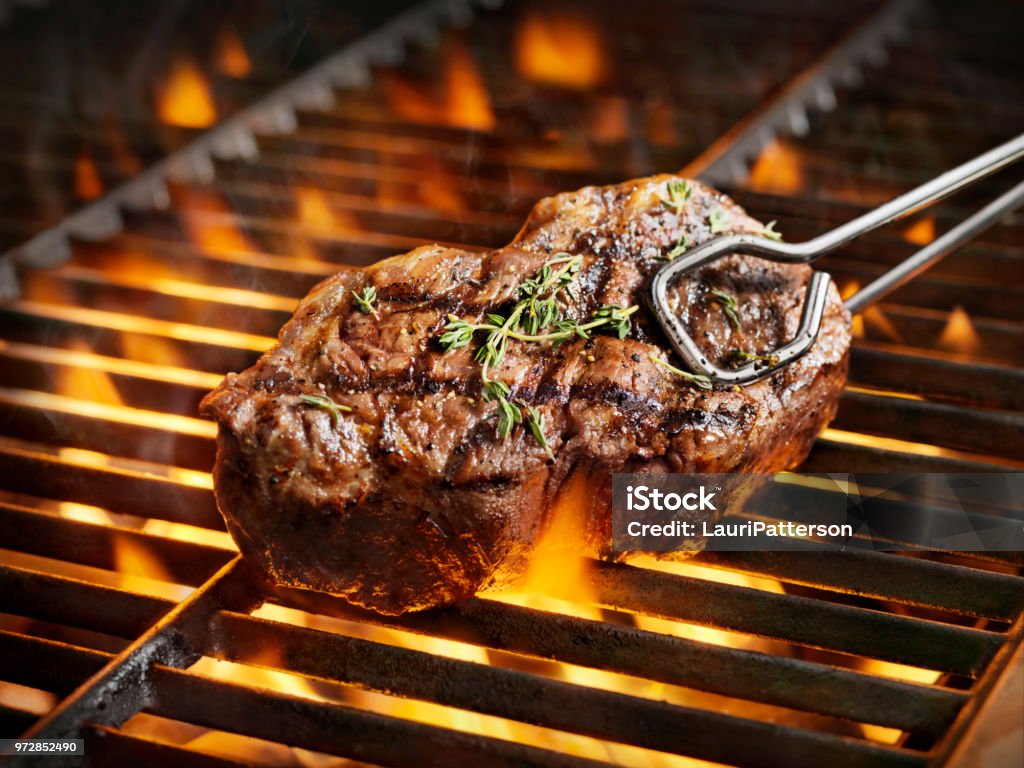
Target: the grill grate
pixel 102 459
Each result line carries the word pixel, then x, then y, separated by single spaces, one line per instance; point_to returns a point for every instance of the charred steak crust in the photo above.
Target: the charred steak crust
pixel 411 499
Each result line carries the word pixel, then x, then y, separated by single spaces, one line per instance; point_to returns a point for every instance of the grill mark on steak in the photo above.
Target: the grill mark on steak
pixel 411 499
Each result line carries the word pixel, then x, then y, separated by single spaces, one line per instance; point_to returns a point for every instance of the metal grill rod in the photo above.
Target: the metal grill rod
pixel 233 137
pixel 814 87
pixel 119 689
pixel 937 249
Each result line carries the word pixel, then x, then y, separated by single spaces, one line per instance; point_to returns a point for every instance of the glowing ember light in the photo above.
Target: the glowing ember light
pixel 857 322
pixel 777 169
pixel 83 513
pixel 232 59
pixel 879 325
pixel 146 325
pixel 921 232
pixel 708 635
pixel 190 533
pixel 210 222
pixel 610 119
pixel 440 191
pixel 468 104
pixel 316 213
pixel 86 383
pixel 88 185
pixel 132 557
pixel 459 99
pixel 896 445
pixel 871 320
pixel 27 699
pixel 857 327
pixel 556 567
pixel 560 50
pixel 168 422
pixel 313 209
pixel 186 99
pixel 959 335
pixel 899 672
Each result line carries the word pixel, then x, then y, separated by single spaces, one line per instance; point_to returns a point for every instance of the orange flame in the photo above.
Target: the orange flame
pixel 460 100
pixel 130 557
pixel 878 324
pixel 152 349
pixel 870 319
pixel 959 334
pixel 857 325
pixel 316 212
pixel 777 169
pixel 88 185
pixel 560 50
pixel 468 105
pixel 232 59
pixel 186 99
pixel 210 222
pixel 898 672
pixel 86 383
pixel 921 232
pixel 556 566
pixel 440 191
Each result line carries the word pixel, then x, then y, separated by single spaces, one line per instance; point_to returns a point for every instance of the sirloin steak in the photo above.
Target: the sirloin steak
pixel 412 498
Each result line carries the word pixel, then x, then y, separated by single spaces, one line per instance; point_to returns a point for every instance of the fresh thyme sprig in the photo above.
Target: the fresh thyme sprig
pixel 696 379
pixel 729 306
pixel 770 233
pixel 497 391
pixel 365 300
pixel 680 247
pixel 679 193
pixel 542 291
pixel 719 221
pixel 738 356
pixel 535 421
pixel 323 401
pixel 459 333
pixel 536 317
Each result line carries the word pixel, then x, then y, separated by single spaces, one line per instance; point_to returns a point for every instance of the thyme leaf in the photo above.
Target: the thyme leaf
pixel 738 356
pixel 770 233
pixel 535 421
pixel 719 221
pixel 541 291
pixel 680 247
pixel 536 317
pixel 508 416
pixel 729 306
pixel 458 333
pixel 365 300
pixel 616 318
pixel 679 193
pixel 495 389
pixel 324 402
pixel 698 380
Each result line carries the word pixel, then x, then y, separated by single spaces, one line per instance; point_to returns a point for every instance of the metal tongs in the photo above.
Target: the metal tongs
pixel 806 252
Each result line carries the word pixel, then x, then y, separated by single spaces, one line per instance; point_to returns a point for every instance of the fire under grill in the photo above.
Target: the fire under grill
pixel 126 616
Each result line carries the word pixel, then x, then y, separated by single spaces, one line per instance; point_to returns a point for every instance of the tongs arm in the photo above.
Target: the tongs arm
pixel 810 250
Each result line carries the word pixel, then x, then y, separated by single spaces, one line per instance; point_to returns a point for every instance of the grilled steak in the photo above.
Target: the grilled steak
pixel 412 498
